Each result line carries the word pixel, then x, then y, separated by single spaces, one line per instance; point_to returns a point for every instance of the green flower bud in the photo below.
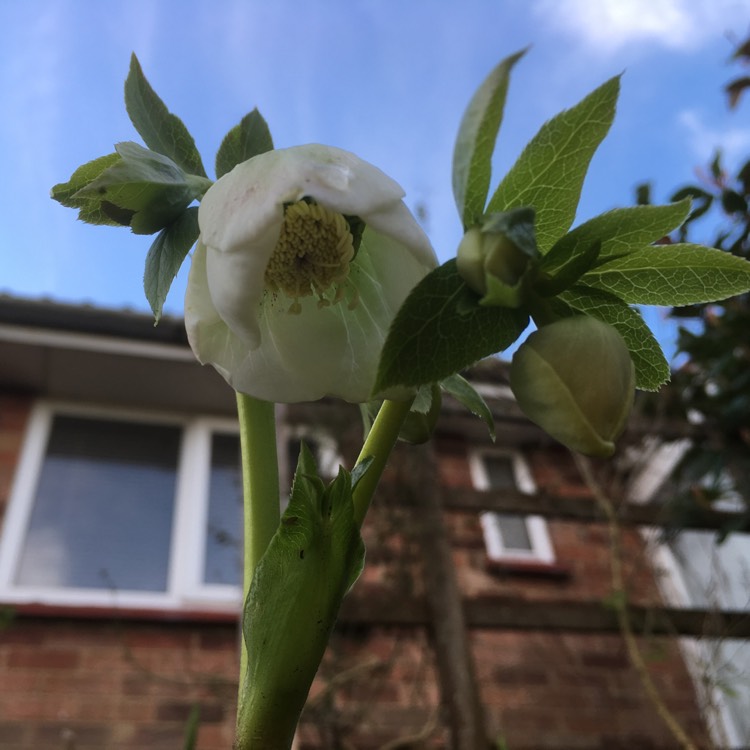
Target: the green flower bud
pixel 576 380
pixel 493 258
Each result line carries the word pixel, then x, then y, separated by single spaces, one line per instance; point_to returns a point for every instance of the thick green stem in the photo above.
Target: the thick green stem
pixel 378 446
pixel 291 619
pixel 260 488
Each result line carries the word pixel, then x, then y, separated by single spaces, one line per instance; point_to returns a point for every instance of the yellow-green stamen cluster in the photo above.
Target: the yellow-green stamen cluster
pixel 312 255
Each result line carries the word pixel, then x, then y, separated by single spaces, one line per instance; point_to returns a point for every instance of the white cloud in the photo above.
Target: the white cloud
pixel 703 138
pixel 606 26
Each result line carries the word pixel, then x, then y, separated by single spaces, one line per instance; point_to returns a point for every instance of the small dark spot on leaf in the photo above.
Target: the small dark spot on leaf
pixel 302 554
pixel 290 520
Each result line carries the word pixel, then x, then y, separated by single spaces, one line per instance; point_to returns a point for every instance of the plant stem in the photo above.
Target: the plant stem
pixel 378 446
pixel 260 488
pixel 620 603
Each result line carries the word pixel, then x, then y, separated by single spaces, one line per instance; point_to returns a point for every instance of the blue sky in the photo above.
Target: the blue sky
pixel 386 79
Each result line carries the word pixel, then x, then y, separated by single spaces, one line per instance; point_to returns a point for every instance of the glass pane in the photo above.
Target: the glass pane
pixel 514 532
pixel 102 515
pixel 223 560
pixel 499 470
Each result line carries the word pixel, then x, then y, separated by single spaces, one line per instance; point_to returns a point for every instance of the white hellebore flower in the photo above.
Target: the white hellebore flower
pixel 304 257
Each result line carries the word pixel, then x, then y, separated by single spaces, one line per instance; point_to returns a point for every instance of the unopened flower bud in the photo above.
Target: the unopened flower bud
pixel 576 380
pixel 493 258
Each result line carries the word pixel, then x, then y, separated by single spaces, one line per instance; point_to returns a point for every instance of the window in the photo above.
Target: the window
pixel 120 509
pixel 322 446
pixel 510 537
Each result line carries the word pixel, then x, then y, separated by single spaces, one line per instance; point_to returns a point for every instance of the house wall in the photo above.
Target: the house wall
pixel 73 681
pixel 90 684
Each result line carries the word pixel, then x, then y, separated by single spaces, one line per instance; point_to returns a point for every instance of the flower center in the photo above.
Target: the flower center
pixel 312 255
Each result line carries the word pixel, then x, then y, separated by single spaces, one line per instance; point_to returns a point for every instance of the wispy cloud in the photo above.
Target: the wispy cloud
pixel 607 26
pixel 704 139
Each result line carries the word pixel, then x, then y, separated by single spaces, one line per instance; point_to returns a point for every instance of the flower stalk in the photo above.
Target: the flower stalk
pixel 260 489
pixel 378 446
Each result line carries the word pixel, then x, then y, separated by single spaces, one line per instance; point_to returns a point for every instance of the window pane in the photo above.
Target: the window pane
pixel 514 532
pixel 102 515
pixel 223 560
pixel 500 472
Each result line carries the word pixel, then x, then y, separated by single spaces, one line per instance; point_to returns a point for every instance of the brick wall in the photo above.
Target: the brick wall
pixel 14 414
pixel 549 690
pixel 88 684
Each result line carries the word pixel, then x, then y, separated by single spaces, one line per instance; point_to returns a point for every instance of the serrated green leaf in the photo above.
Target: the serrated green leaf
pixel 651 367
pixel 440 329
pixel 475 142
pixel 250 138
pixel 681 274
pixel 160 129
pixel 294 599
pixel 701 200
pixel 465 393
pixel 67 193
pixel 419 424
pixel 550 171
pixel 143 189
pixel 165 257
pixel 620 232
pixel 423 400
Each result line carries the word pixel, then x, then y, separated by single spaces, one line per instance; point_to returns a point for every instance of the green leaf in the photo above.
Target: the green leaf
pixel 620 232
pixel 165 257
pixel 465 393
pixel 143 189
pixel 420 422
pixel 68 193
pixel 440 329
pixel 160 129
pixel 296 592
pixel 192 727
pixel 549 173
pixel 681 274
pixel 250 138
pixel 475 142
pixel 563 276
pixel 651 367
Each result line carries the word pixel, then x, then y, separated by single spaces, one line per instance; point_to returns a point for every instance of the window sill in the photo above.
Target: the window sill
pixel 90 612
pixel 528 569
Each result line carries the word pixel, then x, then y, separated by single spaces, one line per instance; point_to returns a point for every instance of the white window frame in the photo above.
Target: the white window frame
pixel 185 587
pixel 541 550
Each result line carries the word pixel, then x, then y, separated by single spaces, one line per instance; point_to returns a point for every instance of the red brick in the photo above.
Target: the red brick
pixel 158 737
pixel 210 713
pixel 45 658
pixel 224 639
pixel 50 734
pixel 17 633
pixel 215 737
pixel 139 709
pixel 13 732
pixel 163 638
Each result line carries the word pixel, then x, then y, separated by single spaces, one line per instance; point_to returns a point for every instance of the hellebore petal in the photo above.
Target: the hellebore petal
pixel 576 380
pixel 283 299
